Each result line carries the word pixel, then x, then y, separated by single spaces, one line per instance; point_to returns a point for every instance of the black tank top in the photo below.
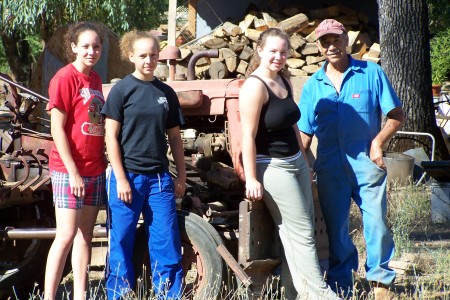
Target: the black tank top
pixel 276 136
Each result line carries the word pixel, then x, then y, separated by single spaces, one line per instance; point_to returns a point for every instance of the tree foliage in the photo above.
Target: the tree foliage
pixel 439 12
pixel 22 19
pixel 43 17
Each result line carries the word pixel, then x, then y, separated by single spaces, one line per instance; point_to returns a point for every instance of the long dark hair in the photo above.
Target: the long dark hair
pixel 74 31
pixel 256 60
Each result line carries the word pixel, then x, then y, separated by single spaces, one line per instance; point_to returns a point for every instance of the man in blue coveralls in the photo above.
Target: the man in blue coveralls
pixel 342 104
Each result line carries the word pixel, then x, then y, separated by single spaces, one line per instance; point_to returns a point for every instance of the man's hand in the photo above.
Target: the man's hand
pixel 376 155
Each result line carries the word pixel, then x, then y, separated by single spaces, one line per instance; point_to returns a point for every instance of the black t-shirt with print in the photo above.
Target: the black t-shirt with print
pixel 145 110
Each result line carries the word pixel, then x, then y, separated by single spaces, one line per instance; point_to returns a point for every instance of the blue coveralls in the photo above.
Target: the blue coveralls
pixel 345 125
pixel 153 195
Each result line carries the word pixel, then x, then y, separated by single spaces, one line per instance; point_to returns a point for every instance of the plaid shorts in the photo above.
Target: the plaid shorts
pixel 94 191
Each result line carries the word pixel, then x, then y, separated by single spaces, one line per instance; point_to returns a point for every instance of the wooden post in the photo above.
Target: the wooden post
pixel 192 17
pixel 172 23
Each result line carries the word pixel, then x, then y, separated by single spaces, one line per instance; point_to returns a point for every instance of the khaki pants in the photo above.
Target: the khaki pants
pixel 288 197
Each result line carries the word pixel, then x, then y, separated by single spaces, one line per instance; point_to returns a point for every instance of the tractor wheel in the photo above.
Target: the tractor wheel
pixel 22 262
pixel 202 264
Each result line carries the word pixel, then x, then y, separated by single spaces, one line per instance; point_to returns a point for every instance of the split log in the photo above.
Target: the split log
pixel 294 54
pixel 294 24
pixel 310 69
pixel 295 63
pixel 253 34
pixel 368 58
pixel 238 43
pixel 218 70
pixel 364 38
pixel 185 53
pixel 246 53
pixel 229 58
pixel 247 22
pixel 297 72
pixel 311 37
pixel 226 53
pixel 260 24
pixel 242 68
pixel 352 36
pixel 231 63
pixel 374 50
pixel 269 20
pixel 231 29
pixel 312 60
pixel 214 43
pixel 359 50
pixel 296 41
pixel 310 48
pixel 219 32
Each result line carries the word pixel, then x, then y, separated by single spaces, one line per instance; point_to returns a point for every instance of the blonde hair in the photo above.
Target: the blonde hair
pixel 128 39
pixel 256 60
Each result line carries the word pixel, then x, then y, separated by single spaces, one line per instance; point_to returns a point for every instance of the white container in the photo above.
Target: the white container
pixel 399 168
pixel 440 201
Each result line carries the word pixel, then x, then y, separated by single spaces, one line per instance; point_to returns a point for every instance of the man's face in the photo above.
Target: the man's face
pixel 333 46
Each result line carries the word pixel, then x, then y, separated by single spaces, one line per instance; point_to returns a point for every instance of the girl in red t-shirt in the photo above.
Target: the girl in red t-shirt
pixel 77 161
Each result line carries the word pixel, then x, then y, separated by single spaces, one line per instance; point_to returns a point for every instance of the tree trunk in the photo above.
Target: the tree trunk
pixel 405 57
pixel 18 56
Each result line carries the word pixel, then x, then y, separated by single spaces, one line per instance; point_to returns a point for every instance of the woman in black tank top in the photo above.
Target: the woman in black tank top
pixel 275 167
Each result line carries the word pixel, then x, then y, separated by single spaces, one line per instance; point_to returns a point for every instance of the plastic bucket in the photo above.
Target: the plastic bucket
pixel 399 168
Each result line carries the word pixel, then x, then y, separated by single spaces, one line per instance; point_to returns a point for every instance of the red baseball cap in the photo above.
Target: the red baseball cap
pixel 329 26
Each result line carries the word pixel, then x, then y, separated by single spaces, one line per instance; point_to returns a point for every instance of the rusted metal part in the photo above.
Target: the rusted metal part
pixel 170 54
pixel 215 93
pixel 190 99
pixel 12 233
pixel 234 135
pixel 7 79
pixel 259 246
pixel 191 65
pixel 233 264
pixel 224 214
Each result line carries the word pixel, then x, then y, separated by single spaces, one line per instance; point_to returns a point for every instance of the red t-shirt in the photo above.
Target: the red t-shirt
pixel 80 97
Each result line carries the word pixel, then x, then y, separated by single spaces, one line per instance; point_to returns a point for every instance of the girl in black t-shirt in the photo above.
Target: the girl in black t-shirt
pixel 140 111
pixel 275 165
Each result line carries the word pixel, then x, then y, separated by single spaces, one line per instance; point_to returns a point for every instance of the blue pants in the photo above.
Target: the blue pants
pixel 365 183
pixel 153 195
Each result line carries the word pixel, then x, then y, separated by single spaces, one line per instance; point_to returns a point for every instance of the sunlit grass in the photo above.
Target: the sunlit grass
pixel 408 214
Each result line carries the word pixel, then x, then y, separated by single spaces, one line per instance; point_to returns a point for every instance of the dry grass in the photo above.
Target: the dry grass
pixel 418 241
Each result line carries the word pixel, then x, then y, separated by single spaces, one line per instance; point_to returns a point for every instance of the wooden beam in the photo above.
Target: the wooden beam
pixel 172 23
pixel 192 17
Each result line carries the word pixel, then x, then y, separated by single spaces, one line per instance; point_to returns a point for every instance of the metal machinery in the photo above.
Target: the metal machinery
pixel 221 231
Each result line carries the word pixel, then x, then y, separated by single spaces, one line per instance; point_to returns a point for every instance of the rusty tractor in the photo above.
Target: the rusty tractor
pixel 225 238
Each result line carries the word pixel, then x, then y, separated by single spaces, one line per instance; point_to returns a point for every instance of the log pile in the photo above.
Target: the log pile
pixel 236 42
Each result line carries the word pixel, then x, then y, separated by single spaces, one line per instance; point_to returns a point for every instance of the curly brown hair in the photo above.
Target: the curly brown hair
pixel 129 38
pixel 256 60
pixel 75 30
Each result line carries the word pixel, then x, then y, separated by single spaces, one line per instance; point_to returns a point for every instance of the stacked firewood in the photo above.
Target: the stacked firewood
pixel 236 42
